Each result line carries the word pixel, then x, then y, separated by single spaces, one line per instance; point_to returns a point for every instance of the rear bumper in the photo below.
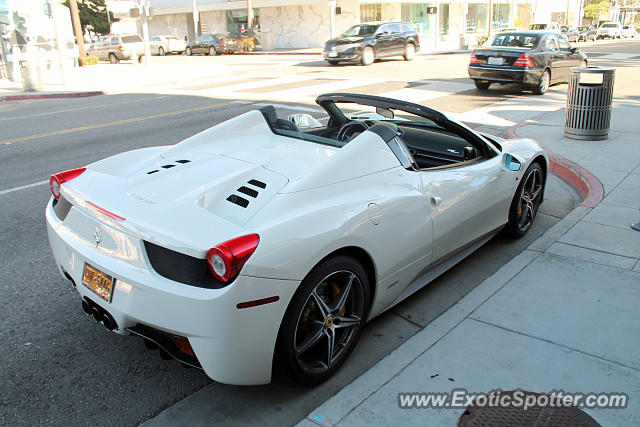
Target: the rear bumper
pixel 519 75
pixel 232 345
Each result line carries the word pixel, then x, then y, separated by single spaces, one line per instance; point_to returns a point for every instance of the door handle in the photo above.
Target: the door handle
pixel 434 201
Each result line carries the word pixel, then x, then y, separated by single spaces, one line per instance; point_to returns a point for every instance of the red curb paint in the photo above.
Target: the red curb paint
pixel 585 183
pixel 49 95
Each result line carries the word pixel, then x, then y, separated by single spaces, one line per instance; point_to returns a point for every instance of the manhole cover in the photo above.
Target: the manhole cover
pixel 533 416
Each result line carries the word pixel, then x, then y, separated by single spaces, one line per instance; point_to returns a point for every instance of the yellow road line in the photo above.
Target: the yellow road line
pixel 116 123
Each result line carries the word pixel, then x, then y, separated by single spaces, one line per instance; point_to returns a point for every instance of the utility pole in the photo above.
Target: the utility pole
pixel 332 17
pixel 490 19
pixel 249 14
pixel 144 13
pixel 54 14
pixel 77 29
pixel 195 20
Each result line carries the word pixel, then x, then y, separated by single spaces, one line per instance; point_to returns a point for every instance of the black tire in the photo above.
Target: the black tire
pixel 113 58
pixel 526 201
pixel 584 64
pixel 140 58
pixel 543 85
pixel 330 62
pixel 212 51
pixel 188 51
pixel 368 56
pixel 482 84
pixel 319 310
pixel 161 51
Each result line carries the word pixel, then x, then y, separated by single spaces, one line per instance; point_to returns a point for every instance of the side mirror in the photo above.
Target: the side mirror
pixel 510 163
pixel 304 121
pixel 384 112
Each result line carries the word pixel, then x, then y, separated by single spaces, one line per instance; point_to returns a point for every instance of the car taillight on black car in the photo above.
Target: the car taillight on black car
pixel 523 61
pixel 473 59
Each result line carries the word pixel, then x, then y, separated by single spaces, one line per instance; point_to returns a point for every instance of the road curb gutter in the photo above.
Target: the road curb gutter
pixel 50 95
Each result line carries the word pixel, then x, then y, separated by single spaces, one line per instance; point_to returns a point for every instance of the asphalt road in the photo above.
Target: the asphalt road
pixel 60 367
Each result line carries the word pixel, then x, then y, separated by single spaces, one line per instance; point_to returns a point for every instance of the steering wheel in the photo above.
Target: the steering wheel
pixel 350 129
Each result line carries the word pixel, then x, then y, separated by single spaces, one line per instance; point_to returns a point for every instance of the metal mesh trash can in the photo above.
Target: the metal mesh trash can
pixel 589 100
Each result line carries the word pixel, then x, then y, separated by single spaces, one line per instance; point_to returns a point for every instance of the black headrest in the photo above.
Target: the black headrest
pixel 269 113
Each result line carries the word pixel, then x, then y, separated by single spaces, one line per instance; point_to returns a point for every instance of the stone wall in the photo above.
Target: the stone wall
pixel 214 22
pixel 173 25
pixel 297 26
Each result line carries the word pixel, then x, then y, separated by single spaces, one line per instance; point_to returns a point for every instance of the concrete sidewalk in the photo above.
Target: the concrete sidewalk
pixel 563 315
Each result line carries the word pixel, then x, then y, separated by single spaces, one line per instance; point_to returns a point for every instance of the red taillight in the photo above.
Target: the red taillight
pixel 221 42
pixel 55 181
pixel 523 61
pixel 472 58
pixel 121 48
pixel 183 345
pixel 226 259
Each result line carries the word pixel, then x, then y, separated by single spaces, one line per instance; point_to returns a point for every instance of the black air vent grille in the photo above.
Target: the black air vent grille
pixel 61 207
pixel 150 172
pixel 183 161
pixel 248 191
pixel 168 166
pixel 181 268
pixel 240 201
pixel 257 183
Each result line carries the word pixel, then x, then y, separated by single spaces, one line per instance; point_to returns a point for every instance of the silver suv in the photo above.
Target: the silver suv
pixel 117 47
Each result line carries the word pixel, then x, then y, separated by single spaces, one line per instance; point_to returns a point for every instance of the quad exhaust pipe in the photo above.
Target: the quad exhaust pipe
pixel 90 308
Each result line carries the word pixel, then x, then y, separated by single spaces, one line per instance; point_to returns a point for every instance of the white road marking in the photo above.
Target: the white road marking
pixel 23 187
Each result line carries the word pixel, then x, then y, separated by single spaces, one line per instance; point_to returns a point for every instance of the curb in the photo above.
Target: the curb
pixel 49 95
pixel 585 183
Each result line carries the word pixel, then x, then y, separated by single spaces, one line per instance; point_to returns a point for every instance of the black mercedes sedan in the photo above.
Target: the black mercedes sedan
pixel 533 59
pixel 368 41
pixel 212 44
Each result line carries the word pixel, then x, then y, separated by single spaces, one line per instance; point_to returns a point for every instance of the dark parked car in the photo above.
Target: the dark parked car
pixel 534 59
pixel 587 32
pixel 212 44
pixel 570 33
pixel 369 41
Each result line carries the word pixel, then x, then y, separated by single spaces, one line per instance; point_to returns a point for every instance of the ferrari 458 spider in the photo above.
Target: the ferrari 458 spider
pixel 263 239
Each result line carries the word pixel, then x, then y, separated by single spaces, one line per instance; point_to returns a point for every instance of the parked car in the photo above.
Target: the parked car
pixel 534 59
pixel 587 32
pixel 212 44
pixel 161 45
pixel 117 47
pixel 369 41
pixel 611 30
pixel 628 31
pixel 256 242
pixel 553 26
pixel 570 33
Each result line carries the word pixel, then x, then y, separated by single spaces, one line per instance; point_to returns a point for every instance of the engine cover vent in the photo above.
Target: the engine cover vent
pixel 257 183
pixel 248 191
pixel 240 201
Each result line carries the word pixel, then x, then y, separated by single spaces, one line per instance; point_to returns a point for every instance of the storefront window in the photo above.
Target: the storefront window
pixel 477 18
pixel 418 15
pixel 370 12
pixel 237 21
pixel 501 13
pixel 444 18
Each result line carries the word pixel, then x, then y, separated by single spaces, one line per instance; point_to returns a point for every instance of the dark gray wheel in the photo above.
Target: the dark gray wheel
pixel 140 58
pixel 368 56
pixel 188 51
pixel 332 62
pixel 113 58
pixel 482 84
pixel 526 201
pixel 161 51
pixel 324 320
pixel 212 51
pixel 543 84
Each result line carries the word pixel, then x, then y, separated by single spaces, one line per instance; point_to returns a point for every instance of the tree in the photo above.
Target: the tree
pixel 595 9
pixel 93 15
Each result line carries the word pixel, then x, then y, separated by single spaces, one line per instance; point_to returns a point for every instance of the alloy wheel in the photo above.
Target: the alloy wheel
pixel 329 321
pixel 529 199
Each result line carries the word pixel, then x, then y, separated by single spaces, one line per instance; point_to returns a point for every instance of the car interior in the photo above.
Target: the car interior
pixel 430 145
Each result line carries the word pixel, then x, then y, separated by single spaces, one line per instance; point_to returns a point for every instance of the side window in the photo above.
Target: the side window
pixel 384 29
pixel 407 28
pixel 551 44
pixel 396 28
pixel 114 40
pixel 155 39
pixel 564 46
pixel 200 39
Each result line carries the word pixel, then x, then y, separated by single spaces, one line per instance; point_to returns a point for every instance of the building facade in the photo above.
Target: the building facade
pixel 442 24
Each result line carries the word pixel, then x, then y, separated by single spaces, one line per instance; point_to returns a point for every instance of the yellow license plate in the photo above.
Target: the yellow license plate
pixel 100 283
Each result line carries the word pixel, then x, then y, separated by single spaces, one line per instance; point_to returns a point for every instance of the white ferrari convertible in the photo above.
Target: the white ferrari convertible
pixel 265 240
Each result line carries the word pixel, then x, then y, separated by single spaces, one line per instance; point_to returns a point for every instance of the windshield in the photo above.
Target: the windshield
pixel 359 112
pixel 527 41
pixel 583 28
pixel 360 31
